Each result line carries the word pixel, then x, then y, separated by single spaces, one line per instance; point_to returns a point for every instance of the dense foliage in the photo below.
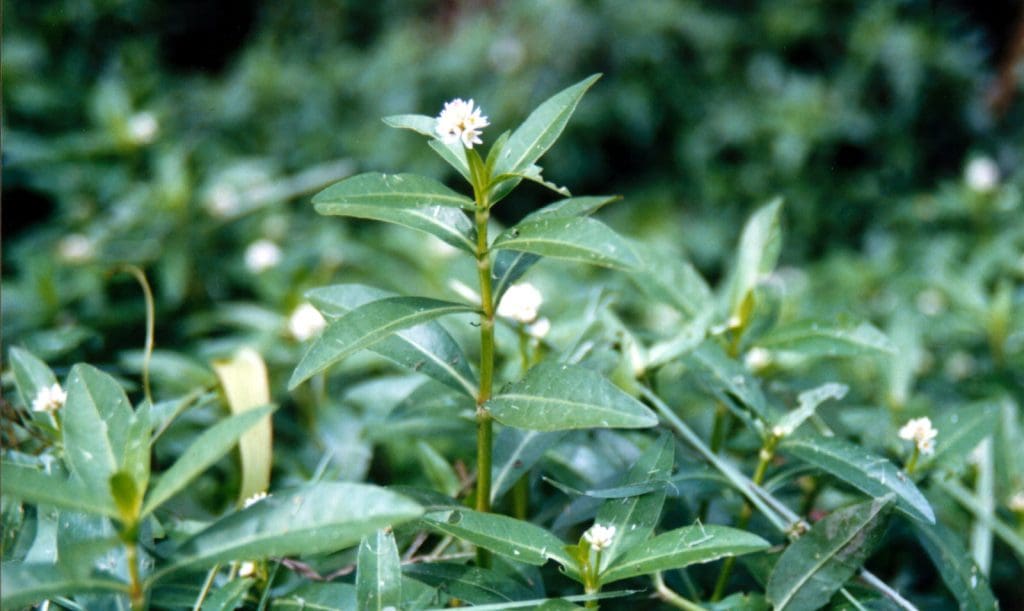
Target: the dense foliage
pixel 784 371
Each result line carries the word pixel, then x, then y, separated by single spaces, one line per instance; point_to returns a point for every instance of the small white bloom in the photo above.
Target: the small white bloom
pixel 757 358
pixel 920 431
pixel 223 201
pixel 599 537
pixel 262 255
pixel 252 500
pixel 247 569
pixel 982 174
pixel 781 431
pixel 521 303
pixel 460 121
pixel 143 127
pixel 49 399
pixel 305 322
pixel 539 329
pixel 76 248
pixel 1016 502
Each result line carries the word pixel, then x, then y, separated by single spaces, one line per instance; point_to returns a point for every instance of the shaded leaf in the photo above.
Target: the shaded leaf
pixel 453 153
pixel 961 575
pixel 580 239
pixel 962 430
pixel 728 380
pixel 470 584
pixel 873 475
pixel 809 400
pixel 365 326
pixel 25 584
pixel 229 596
pixel 515 453
pixel 815 566
pixel 813 339
pixel 557 396
pixel 33 485
pixel 671 279
pixel 515 539
pixel 318 597
pixel 509 266
pixel 378 572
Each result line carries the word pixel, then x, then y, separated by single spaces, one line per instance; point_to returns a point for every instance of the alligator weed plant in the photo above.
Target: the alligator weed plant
pixel 665 434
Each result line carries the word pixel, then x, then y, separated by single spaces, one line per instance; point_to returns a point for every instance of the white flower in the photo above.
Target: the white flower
pixel 920 431
pixel 222 201
pixel 1016 502
pixel 247 569
pixel 757 358
pixel 143 127
pixel 262 255
pixel 306 322
pixel 460 121
pixel 539 329
pixel 521 303
pixel 252 500
pixel 49 399
pixel 981 174
pixel 76 248
pixel 599 537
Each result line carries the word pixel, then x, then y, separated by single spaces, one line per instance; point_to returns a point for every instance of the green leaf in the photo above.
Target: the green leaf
pixel 532 173
pixel 35 486
pixel 515 453
pixel 515 539
pixel 759 250
pixel 571 238
pixel 728 380
pixel 815 566
pixel 809 401
pixel 814 340
pixel 542 128
pixel 247 387
pixel 207 449
pixel 453 153
pixel 635 517
pixel 437 469
pixel 378 572
pixel 469 583
pixel 671 279
pixel 961 430
pixel 573 206
pixel 961 575
pixel 682 547
pixel 426 348
pixel 509 266
pixel 403 199
pixel 557 396
pixel 873 475
pixel 229 596
pixel 30 374
pixel 320 518
pixel 97 423
pixel 365 326
pixel 318 597
pixel 22 585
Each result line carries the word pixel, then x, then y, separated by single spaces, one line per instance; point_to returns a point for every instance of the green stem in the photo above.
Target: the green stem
pixel 912 461
pixel 207 584
pixel 136 592
pixel 718 431
pixel 671 597
pixel 147 294
pixel 521 497
pixel 484 425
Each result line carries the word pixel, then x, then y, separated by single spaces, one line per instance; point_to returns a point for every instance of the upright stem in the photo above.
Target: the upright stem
pixel 484 426
pixel 138 596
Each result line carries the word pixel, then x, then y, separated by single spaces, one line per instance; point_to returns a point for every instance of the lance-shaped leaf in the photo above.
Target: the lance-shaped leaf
pixel 509 537
pixel 97 423
pixel 682 547
pixel 229 596
pixel 470 584
pixel 30 374
pixel 426 348
pixel 814 339
pixel 509 266
pixel 670 279
pixel 532 173
pixel 515 453
pixel 558 396
pixel 365 326
pixel 816 565
pixel 571 238
pixel 635 517
pixel 378 572
pixel 321 518
pixel 809 401
pixel 872 474
pixel 959 572
pixel 541 129
pixel 728 380
pixel 207 449
pixel 962 430
pixel 22 585
pixel 247 387
pixel 452 153
pixel 33 485
pixel 759 250
pixel 403 199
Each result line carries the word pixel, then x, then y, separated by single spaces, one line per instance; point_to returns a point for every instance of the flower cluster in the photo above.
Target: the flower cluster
pixel 599 537
pixel 521 302
pixel 921 432
pixel 305 322
pixel 460 121
pixel 49 399
pixel 262 255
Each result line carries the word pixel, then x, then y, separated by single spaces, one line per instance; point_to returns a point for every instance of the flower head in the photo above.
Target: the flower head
pixel 599 537
pixel 262 255
pixel 49 399
pixel 305 322
pixel 982 174
pixel 76 248
pixel 920 431
pixel 460 121
pixel 143 127
pixel 521 303
pixel 1016 502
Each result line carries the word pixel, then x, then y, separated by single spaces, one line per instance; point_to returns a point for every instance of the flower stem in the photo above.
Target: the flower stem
pixel 138 596
pixel 912 461
pixel 484 426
